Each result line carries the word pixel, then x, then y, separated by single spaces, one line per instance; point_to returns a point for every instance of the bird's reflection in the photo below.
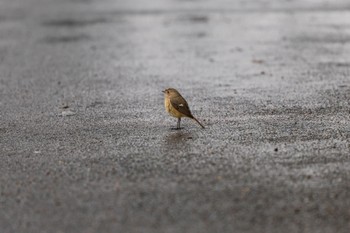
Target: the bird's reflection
pixel 176 138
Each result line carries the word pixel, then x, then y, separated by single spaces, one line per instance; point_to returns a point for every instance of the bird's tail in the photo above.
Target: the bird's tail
pixel 198 122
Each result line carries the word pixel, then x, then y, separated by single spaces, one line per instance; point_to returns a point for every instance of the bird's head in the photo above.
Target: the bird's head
pixel 171 92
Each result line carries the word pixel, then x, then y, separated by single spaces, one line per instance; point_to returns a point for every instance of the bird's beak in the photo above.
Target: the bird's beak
pixel 163 91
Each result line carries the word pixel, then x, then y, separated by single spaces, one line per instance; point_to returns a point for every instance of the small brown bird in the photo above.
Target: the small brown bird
pixel 177 106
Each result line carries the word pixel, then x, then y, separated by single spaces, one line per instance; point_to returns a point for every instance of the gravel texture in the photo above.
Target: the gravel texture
pixel 86 145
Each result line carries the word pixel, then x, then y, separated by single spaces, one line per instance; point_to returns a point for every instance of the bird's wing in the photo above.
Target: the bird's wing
pixel 180 104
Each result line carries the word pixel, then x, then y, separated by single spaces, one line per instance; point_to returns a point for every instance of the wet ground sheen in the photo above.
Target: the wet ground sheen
pixel 86 145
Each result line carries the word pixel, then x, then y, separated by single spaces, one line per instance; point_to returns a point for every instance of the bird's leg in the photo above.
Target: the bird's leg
pixel 178 123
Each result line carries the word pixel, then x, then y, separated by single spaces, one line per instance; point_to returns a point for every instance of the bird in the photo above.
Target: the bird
pixel 177 106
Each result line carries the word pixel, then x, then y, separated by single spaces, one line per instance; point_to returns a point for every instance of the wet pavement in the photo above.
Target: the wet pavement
pixel 86 145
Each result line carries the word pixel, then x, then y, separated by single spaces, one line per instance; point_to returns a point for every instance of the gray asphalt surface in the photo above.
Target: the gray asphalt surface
pixel 86 146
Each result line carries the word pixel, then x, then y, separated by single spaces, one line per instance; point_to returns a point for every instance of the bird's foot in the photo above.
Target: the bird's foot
pixel 176 128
